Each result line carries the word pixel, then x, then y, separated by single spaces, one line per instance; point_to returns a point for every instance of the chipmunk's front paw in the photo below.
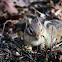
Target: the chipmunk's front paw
pixel 42 46
pixel 29 48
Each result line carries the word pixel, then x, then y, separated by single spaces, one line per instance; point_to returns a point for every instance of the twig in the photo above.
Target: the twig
pixel 29 57
pixel 51 40
pixel 4 28
pixel 60 49
pixel 37 11
pixel 46 57
pixel 2 58
pixel 2 32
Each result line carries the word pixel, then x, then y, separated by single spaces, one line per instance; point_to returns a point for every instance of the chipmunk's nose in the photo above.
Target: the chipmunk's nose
pixel 37 37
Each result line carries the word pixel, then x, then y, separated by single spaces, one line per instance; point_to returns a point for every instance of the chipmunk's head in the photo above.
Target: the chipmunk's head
pixel 34 28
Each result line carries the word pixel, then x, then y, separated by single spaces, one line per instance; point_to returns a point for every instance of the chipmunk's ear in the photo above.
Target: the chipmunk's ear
pixel 28 22
pixel 37 20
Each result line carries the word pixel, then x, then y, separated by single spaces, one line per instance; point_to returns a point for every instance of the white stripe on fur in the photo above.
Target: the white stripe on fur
pixel 46 22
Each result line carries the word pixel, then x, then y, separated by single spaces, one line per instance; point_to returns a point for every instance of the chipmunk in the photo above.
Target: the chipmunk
pixel 41 32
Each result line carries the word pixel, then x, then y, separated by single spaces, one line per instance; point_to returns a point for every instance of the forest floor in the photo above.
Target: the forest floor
pixel 12 46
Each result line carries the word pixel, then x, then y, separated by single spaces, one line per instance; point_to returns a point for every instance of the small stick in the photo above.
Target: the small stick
pixel 4 28
pixel 51 40
pixel 37 11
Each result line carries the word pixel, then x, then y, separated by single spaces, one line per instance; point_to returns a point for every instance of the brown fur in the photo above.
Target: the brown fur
pixel 45 35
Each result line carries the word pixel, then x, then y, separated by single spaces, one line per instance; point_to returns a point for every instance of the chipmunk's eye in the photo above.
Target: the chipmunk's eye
pixel 39 24
pixel 31 30
pixel 41 29
pixel 28 26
